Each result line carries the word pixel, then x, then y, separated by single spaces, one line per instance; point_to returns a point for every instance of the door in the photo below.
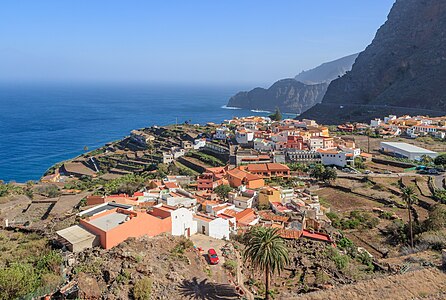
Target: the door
pixel 188 232
pixel 203 229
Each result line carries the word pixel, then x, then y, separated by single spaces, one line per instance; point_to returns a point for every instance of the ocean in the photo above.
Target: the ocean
pixel 42 124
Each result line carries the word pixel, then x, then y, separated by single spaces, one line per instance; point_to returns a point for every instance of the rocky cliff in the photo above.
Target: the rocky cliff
pixel 328 71
pixel 403 70
pixel 298 94
pixel 289 95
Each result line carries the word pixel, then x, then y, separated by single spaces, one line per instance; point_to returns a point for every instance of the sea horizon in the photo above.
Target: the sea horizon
pixel 45 123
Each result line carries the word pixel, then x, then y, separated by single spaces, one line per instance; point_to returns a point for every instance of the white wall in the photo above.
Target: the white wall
pixel 219 228
pixel 338 159
pixel 182 219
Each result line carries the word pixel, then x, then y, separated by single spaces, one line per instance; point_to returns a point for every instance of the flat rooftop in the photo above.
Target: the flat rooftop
pixel 76 234
pixel 407 147
pixel 107 207
pixel 110 221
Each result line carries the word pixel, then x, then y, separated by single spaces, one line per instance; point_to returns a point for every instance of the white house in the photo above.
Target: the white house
pixel 199 143
pixel 244 136
pixel 167 158
pixel 215 227
pixel 375 123
pixel 336 157
pixel 221 133
pixel 389 118
pixel 183 222
pixel 179 197
pixel 215 209
pixel 316 143
pixel 263 145
pixel 242 200
pixel 177 152
pixel 280 137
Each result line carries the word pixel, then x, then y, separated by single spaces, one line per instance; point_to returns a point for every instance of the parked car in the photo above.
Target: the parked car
pixel 213 257
pixel 387 172
pixel 433 171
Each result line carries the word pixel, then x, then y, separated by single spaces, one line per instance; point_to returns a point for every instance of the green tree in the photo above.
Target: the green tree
pixel 318 171
pixel 223 191
pixel 277 115
pixel 426 160
pixel 329 174
pixel 440 160
pixel 359 163
pixel 437 218
pixel 410 198
pixel 266 250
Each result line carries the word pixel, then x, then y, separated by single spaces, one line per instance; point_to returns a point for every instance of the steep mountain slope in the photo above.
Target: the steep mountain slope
pixel 298 94
pixel 289 95
pixel 403 70
pixel 327 71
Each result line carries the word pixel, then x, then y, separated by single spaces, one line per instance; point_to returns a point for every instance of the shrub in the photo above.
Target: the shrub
pixel 231 266
pixel 181 246
pixel 396 232
pixel 50 262
pixel 142 289
pixel 17 280
pixel 127 184
pixel 437 218
pixel 341 261
pixel 50 191
pixel 433 239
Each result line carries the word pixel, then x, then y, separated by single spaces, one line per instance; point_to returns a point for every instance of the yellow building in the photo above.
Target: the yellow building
pixel 267 195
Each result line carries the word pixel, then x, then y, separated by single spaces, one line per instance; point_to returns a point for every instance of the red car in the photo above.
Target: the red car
pixel 213 257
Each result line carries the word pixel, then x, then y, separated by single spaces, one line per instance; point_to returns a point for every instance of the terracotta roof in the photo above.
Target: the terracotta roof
pixel 272 217
pixel 316 236
pixel 230 212
pixel 171 185
pixel 205 218
pixel 290 233
pixel 277 167
pixel 244 213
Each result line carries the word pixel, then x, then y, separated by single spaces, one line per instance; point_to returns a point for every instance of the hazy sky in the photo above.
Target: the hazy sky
pixel 226 41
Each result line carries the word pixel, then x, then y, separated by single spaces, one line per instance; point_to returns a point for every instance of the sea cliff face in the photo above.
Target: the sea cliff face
pixel 328 71
pixel 289 95
pixel 298 94
pixel 402 70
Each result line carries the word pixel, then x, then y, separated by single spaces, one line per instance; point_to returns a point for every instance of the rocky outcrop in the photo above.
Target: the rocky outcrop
pixel 328 71
pixel 295 95
pixel 403 70
pixel 289 95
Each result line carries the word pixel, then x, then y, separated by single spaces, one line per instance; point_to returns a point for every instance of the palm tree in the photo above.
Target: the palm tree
pixel 410 198
pixel 266 250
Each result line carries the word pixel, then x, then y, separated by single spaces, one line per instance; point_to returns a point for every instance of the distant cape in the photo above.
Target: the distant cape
pixel 294 95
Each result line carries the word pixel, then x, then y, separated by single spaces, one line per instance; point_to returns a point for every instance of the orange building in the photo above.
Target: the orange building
pixel 115 226
pixel 237 177
pixel 269 170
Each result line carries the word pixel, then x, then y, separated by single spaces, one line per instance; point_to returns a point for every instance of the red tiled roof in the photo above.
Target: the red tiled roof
pixel 290 233
pixel 277 167
pixel 316 236
pixel 171 185
pixel 272 217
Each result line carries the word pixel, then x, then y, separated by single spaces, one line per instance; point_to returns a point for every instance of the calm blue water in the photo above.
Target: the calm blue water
pixel 47 123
